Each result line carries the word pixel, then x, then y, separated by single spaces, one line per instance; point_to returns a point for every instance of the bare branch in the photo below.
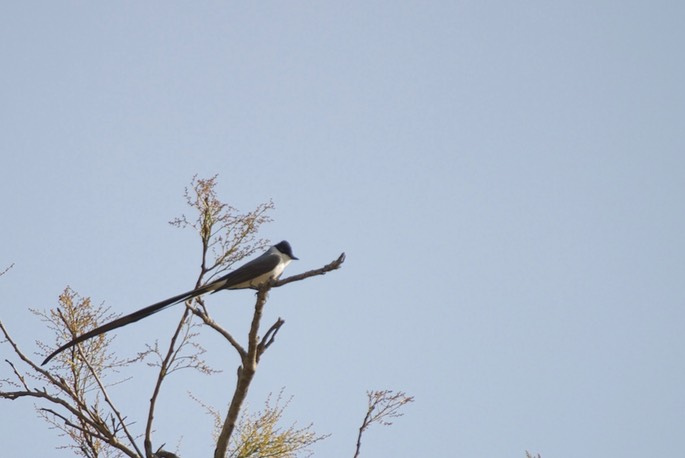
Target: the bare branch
pixel 383 405
pixel 269 337
pixel 245 374
pixel 312 273
pixel 158 385
pixel 70 424
pixel 57 382
pixel 4 271
pixel 95 429
pixel 204 316
pixel 18 375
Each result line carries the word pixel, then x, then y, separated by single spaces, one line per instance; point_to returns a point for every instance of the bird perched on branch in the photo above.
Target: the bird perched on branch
pixel 269 266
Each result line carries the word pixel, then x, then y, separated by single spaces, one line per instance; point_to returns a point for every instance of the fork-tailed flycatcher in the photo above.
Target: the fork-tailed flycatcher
pixel 268 266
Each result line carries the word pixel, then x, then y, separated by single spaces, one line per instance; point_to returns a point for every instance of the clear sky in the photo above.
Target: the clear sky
pixel 506 178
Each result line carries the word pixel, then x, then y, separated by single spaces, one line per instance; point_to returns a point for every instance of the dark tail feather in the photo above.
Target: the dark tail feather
pixel 128 319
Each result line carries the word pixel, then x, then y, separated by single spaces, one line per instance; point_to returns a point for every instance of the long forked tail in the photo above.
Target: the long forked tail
pixel 131 318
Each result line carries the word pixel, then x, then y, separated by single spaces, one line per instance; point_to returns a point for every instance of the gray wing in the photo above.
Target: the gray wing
pixel 249 271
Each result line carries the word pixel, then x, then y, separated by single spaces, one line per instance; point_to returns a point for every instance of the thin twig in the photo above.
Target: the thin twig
pixel 269 337
pixel 23 357
pixel 214 325
pixel 158 385
pixel 311 273
pixel 3 272
pixel 69 423
pixel 19 376
pixel 383 405
pixel 109 402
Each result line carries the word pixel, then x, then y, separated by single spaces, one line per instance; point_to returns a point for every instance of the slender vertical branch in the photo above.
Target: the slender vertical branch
pixel 245 374
pixel 163 371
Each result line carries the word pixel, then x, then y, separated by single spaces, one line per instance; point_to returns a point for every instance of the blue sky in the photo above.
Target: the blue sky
pixel 506 179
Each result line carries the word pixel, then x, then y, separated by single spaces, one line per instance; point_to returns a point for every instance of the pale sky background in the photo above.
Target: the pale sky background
pixel 506 178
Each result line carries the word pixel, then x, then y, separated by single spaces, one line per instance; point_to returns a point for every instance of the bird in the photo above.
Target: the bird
pixel 253 274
